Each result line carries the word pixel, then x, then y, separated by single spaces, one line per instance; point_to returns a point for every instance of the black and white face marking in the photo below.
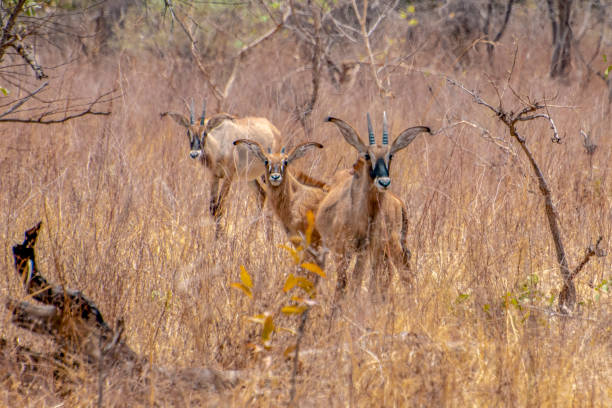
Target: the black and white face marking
pixel 276 170
pixel 195 143
pixel 379 167
pixel 376 156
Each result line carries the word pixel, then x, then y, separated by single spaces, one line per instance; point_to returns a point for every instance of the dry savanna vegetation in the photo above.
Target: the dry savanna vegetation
pixel 489 316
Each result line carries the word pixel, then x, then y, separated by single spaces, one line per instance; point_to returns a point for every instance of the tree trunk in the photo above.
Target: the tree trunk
pixel 559 12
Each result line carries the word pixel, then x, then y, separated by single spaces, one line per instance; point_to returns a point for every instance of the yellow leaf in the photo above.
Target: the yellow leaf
pixel 260 318
pixel 413 21
pixel 292 252
pixel 290 283
pixel 314 268
pixel 307 302
pixel 310 219
pixel 245 277
pixel 410 9
pixel 288 351
pixel 287 330
pixel 243 288
pixel 266 332
pixel 305 284
pixel 295 240
pixel 294 309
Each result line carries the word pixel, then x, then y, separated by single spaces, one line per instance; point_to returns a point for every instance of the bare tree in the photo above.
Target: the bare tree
pixel 219 92
pixel 511 118
pixel 23 24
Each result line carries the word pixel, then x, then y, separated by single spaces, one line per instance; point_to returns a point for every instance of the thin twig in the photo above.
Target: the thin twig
pixel 23 100
pixel 362 18
pixel 555 137
pixel 590 252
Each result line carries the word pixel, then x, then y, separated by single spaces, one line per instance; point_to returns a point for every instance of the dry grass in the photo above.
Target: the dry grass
pixel 125 221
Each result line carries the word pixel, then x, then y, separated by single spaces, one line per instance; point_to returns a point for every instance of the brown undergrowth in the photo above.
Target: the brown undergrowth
pixel 126 221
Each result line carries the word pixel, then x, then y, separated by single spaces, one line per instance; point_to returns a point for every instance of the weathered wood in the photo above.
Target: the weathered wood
pixel 76 324
pixel 71 318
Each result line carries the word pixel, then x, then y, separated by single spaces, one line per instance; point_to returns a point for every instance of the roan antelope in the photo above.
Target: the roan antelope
pixel 211 141
pixel 289 197
pixel 359 215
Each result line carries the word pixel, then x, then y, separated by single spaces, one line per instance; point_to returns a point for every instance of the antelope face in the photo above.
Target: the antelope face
pixel 196 141
pixel 196 133
pixel 276 163
pixel 377 157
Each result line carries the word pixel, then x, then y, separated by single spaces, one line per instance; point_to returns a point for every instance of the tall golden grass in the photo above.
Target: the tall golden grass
pixel 125 220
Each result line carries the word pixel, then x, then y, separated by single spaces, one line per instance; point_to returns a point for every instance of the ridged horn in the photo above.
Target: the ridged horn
pixel 385 137
pixel 191 120
pixel 203 116
pixel 370 131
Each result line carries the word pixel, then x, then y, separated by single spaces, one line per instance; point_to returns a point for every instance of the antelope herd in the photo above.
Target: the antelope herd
pixel 356 215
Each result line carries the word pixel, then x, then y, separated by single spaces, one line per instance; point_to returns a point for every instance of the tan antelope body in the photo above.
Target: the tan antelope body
pixel 211 140
pixel 289 197
pixel 359 215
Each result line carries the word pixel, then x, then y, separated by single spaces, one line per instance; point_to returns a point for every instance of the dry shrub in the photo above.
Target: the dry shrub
pixel 126 221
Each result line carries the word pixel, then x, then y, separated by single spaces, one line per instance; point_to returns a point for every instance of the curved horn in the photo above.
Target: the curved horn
pixel 385 137
pixel 370 131
pixel 203 116
pixel 191 121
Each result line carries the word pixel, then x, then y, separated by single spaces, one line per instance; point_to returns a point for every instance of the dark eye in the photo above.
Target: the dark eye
pixel 285 163
pixel 367 157
pixel 390 156
pixel 265 162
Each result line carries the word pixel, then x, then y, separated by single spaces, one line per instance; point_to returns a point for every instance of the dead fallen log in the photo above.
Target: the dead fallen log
pixel 77 326
pixel 73 320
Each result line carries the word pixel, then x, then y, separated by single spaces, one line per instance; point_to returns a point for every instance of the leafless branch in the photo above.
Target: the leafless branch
pixel 588 144
pixel 476 97
pixel 221 94
pixel 42 118
pixel 344 29
pixel 245 51
pixel 29 59
pixel 555 137
pixel 362 18
pixel 23 100
pixel 381 17
pixel 567 296
pixel 589 253
pixel 485 134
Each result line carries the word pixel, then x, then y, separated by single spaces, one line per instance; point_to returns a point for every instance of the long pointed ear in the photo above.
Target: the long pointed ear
pixel 253 146
pixel 217 120
pixel 301 149
pixel 350 135
pixel 406 137
pixel 178 118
